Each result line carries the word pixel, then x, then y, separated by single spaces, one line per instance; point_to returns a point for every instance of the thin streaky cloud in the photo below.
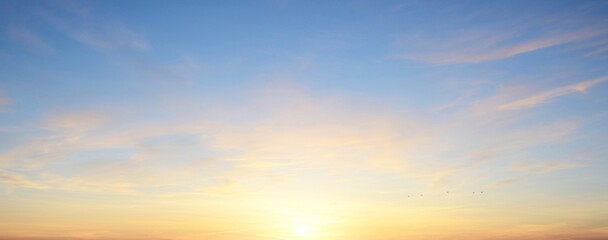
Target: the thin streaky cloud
pixel 484 46
pixel 111 38
pixel 117 40
pixel 455 102
pixel 550 95
pixel 75 121
pixel 504 182
pixel 597 52
pixel 30 40
pixel 546 167
pixel 103 35
pixel 592 48
pixel 18 180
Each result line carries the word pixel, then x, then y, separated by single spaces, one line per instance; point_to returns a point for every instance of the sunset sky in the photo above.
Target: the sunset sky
pixel 303 120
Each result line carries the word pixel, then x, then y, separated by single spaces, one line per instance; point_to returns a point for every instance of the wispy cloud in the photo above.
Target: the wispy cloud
pixel 546 167
pixel 75 121
pixel 65 137
pixel 549 95
pixel 579 159
pixel 117 40
pixel 511 98
pixel 487 150
pixel 483 46
pixel 268 138
pixel 504 182
pixel 30 40
pixel 113 37
pixel 84 27
pixel 298 132
pixel 12 180
pixel 593 48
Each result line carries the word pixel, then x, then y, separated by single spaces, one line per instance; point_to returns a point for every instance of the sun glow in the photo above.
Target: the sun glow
pixel 302 230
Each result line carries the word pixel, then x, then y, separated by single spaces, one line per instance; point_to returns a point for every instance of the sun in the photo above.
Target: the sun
pixel 302 230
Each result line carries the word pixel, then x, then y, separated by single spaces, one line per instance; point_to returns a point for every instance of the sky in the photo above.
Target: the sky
pixel 303 120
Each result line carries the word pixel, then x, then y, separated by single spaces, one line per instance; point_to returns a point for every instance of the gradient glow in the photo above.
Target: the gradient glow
pixel 311 120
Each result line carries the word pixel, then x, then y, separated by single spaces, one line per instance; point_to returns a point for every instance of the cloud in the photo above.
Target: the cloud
pixel 474 46
pixel 453 103
pixel 88 184
pixel 595 48
pixel 301 130
pixel 549 95
pixel 273 136
pixel 65 136
pixel 542 133
pixel 504 182
pixel 75 121
pixel 468 155
pixel 17 180
pixel 124 45
pixel 111 37
pixel 278 128
pixel 116 40
pixel 546 167
pixel 597 52
pixel 29 39
pixel 88 30
pixel 35 153
pixel 578 159
pixel 512 98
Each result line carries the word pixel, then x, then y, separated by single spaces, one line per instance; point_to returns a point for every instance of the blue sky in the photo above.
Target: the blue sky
pixel 294 105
